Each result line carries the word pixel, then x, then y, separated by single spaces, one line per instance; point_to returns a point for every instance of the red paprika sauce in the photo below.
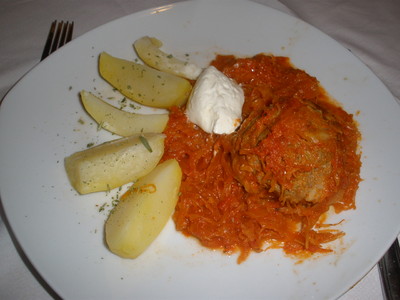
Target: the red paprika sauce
pixel 268 184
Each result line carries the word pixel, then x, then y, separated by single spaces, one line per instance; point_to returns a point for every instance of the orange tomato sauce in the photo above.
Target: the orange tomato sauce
pixel 216 208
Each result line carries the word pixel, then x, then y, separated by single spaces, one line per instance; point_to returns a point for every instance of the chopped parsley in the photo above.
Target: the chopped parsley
pixel 102 207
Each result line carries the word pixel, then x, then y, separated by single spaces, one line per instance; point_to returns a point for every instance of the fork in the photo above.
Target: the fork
pixel 389 269
pixel 60 33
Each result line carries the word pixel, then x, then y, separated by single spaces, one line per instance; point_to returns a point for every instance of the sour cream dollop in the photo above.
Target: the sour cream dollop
pixel 216 102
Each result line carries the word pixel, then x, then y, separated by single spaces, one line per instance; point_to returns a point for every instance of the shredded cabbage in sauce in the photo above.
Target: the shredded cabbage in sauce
pixel 269 184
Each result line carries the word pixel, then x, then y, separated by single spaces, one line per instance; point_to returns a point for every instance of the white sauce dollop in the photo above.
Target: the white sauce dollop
pixel 216 102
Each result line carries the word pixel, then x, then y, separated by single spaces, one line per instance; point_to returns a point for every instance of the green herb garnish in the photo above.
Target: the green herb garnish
pixel 145 143
pixel 102 207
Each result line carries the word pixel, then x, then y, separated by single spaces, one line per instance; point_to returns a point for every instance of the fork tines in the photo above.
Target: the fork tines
pixel 59 34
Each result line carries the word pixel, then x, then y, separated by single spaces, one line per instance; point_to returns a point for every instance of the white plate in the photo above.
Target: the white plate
pixel 62 233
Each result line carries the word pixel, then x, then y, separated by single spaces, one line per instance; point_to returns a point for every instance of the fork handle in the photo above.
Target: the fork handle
pixel 389 267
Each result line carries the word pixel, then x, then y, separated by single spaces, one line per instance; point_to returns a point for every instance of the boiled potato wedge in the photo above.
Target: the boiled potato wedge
pixel 148 49
pixel 121 122
pixel 143 210
pixel 143 84
pixel 114 163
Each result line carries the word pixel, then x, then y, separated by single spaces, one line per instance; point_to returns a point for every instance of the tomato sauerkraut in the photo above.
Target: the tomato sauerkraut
pixel 268 183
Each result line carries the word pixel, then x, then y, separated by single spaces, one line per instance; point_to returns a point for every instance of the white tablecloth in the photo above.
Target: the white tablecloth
pixel 370 29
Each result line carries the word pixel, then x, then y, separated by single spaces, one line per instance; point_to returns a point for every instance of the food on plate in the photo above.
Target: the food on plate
pixel 114 163
pixel 254 160
pixel 144 84
pixel 148 49
pixel 215 103
pixel 121 122
pixel 270 183
pixel 143 210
